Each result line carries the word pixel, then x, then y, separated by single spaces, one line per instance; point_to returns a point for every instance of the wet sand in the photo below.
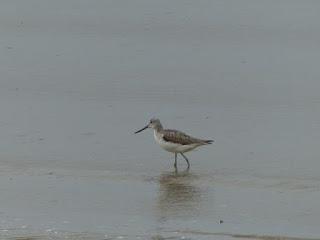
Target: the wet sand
pixel 79 77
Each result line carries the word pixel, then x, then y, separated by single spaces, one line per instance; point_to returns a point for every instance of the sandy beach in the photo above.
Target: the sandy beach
pixel 79 77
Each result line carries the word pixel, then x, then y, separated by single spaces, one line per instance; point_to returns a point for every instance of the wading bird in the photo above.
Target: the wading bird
pixel 173 140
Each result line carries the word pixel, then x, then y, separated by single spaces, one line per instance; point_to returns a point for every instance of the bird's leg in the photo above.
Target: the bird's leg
pixel 175 160
pixel 186 159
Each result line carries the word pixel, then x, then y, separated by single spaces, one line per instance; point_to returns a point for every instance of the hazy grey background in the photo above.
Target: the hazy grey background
pixel 79 77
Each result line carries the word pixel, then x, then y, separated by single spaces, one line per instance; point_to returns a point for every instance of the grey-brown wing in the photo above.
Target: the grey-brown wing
pixel 179 137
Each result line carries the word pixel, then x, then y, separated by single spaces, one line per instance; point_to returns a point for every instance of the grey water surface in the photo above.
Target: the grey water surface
pixel 79 77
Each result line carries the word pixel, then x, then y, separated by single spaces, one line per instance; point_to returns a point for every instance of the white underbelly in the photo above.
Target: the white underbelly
pixel 173 147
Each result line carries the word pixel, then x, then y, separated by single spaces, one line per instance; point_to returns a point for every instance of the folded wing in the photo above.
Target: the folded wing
pixel 175 136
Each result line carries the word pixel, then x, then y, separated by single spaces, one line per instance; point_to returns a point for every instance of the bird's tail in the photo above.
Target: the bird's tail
pixel 208 141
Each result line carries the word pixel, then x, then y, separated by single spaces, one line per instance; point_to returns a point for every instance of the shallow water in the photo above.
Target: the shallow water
pixel 78 78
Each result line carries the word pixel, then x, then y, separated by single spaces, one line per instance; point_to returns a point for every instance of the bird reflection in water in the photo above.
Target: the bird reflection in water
pixel 178 195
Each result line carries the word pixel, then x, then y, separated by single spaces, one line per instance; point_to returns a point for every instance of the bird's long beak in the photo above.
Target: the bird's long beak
pixel 142 129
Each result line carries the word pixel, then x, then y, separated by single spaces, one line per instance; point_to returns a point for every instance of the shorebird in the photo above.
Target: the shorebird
pixel 173 140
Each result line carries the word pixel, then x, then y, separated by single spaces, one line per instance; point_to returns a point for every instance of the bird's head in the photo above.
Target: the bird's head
pixel 154 123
